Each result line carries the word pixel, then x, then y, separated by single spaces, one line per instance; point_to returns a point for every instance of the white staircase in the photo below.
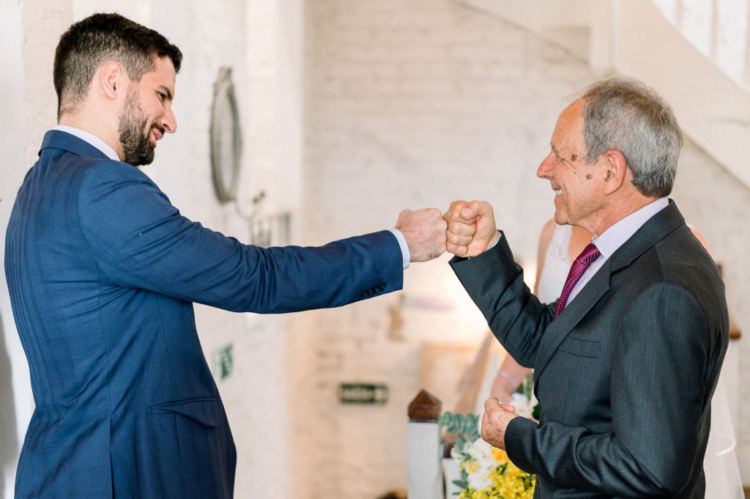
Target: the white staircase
pixel 695 53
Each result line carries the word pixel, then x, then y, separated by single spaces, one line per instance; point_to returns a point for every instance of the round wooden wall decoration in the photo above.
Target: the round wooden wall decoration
pixel 226 138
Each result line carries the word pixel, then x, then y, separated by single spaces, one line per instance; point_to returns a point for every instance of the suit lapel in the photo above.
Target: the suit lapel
pixel 655 229
pixel 576 310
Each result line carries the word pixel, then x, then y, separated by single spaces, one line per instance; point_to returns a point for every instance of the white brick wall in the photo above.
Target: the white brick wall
pixel 416 104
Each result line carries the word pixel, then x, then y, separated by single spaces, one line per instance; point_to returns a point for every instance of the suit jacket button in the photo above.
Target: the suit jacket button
pixel 382 287
pixel 363 295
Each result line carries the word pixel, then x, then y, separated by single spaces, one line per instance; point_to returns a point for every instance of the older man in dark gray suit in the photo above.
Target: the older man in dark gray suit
pixel 627 360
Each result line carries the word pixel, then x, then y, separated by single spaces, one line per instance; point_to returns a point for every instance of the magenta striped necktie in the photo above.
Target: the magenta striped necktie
pixel 583 262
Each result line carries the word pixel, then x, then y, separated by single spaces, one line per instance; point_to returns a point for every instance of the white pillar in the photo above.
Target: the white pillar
pixel 425 475
pixel 423 448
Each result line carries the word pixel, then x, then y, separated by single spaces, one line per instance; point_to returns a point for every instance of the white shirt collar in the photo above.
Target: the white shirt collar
pixel 614 237
pixel 91 139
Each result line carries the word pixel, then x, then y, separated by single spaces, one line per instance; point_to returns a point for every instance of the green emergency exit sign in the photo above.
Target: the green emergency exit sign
pixel 363 393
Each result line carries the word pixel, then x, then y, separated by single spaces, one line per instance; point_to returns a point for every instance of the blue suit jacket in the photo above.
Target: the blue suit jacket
pixel 102 272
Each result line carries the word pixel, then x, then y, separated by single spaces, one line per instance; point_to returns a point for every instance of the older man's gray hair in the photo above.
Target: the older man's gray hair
pixel 625 115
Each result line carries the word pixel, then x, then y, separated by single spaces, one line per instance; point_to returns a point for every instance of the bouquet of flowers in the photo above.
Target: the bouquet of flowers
pixel 486 471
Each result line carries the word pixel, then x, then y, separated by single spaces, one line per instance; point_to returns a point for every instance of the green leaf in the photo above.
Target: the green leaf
pixel 443 420
pixel 460 442
pixel 462 423
pixel 462 484
pixel 535 411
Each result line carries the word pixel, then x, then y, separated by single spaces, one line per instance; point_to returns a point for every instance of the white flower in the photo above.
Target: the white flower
pixel 522 405
pixel 478 480
pixel 479 448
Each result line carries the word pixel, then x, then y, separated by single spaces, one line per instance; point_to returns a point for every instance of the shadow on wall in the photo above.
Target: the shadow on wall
pixel 8 437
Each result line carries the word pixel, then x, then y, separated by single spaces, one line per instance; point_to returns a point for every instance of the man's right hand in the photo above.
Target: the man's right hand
pixel 471 228
pixel 424 231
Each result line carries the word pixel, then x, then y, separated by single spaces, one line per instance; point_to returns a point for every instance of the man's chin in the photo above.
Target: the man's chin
pixel 141 160
pixel 561 218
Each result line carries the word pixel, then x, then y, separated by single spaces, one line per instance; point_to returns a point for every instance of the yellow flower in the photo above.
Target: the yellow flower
pixel 504 480
pixel 499 455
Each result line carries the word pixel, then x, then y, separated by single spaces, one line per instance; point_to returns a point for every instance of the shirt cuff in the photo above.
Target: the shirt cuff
pixel 498 240
pixel 404 247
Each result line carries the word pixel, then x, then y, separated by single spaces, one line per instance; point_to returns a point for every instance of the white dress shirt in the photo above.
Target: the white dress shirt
pixel 91 139
pixel 614 237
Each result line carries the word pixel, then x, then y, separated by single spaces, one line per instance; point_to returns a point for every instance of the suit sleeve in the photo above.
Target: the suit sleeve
pixel 141 241
pixel 515 316
pixel 657 393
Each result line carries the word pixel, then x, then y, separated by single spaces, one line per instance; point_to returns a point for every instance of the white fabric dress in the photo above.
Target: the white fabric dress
pixel 720 463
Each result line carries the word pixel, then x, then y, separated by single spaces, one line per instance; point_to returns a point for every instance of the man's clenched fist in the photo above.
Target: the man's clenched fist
pixel 471 228
pixel 424 231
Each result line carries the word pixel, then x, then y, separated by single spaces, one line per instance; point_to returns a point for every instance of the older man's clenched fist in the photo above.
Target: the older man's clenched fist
pixel 471 228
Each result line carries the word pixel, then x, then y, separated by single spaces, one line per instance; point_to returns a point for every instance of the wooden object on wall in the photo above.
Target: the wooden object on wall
pixel 425 407
pixel 471 382
pixel 734 331
pixel 442 366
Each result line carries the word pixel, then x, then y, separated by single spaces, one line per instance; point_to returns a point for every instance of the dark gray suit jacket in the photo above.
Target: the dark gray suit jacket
pixel 624 375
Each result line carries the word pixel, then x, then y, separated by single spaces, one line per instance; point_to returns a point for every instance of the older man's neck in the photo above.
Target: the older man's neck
pixel 616 210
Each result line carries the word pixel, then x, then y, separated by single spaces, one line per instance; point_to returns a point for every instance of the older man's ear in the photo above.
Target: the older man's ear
pixel 614 171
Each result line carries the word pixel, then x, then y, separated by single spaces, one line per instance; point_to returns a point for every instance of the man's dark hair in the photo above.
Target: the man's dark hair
pixel 99 38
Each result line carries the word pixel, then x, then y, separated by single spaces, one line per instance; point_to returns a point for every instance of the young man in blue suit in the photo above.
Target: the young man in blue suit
pixel 103 271
pixel 628 359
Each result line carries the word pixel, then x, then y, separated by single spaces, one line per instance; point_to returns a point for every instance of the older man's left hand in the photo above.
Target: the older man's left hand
pixel 495 421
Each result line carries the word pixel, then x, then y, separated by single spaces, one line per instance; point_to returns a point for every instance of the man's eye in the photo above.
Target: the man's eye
pixel 161 96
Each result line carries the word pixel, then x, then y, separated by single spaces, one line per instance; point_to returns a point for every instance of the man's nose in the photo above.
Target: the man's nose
pixel 169 122
pixel 545 169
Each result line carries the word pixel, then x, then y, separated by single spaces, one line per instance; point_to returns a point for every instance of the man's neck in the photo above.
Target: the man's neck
pixel 620 209
pixel 95 127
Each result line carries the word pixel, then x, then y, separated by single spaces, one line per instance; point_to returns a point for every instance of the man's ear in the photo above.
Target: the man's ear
pixel 112 80
pixel 615 171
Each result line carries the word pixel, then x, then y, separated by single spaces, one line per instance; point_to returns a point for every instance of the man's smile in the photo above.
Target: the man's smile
pixel 156 134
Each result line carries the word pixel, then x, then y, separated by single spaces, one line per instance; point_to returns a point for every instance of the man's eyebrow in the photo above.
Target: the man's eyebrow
pixel 554 150
pixel 166 91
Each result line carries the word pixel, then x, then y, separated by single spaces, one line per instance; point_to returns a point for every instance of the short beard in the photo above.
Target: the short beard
pixel 135 143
